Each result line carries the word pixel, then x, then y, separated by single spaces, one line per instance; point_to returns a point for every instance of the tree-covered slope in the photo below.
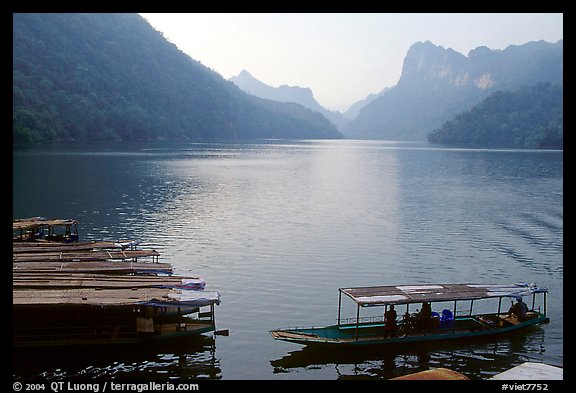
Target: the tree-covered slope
pixel 113 77
pixel 284 93
pixel 437 84
pixel 530 117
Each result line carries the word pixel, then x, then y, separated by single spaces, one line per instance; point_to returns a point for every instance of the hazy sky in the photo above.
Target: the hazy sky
pixel 341 57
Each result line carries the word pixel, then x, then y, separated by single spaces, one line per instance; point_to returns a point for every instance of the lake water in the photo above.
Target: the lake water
pixel 277 227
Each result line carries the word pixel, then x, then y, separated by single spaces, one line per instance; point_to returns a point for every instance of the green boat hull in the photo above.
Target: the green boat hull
pixel 374 334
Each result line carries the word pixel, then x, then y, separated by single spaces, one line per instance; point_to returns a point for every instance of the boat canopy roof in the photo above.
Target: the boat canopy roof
pixel 403 294
pixel 35 222
pixel 107 297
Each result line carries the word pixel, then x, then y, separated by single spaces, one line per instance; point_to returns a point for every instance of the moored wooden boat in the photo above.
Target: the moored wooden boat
pixel 64 325
pixel 43 247
pixel 40 228
pixel 39 281
pixel 86 312
pixel 119 267
pixel 67 293
pixel 450 324
pixel 91 255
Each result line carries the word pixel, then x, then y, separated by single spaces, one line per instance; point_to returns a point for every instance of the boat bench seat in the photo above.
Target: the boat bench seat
pixel 514 320
pixel 510 319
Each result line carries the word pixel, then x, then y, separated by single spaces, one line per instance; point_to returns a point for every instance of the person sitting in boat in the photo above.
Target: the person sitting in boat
pixel 520 309
pixel 424 316
pixel 408 323
pixel 390 322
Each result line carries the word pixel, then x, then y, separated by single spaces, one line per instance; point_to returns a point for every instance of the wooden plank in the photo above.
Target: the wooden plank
pixel 89 296
pixel 112 297
pixel 509 318
pixel 144 325
pixel 91 267
pixel 83 256
pixel 22 280
pixel 33 247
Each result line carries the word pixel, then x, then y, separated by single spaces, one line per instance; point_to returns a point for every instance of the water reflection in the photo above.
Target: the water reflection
pixel 189 358
pixel 478 358
pixel 277 227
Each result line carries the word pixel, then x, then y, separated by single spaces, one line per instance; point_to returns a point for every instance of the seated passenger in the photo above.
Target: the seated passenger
pixel 424 316
pixel 390 322
pixel 520 309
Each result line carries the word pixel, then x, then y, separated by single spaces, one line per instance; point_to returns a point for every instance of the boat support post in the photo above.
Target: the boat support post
pixel 339 305
pixel 357 319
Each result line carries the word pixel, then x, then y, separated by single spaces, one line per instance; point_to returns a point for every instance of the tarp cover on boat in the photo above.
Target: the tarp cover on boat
pixel 402 294
pixel 192 298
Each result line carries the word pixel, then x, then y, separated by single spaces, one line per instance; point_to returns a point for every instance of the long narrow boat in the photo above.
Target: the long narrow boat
pixel 42 281
pixel 42 247
pixel 119 267
pixel 97 314
pixel 75 256
pixel 485 315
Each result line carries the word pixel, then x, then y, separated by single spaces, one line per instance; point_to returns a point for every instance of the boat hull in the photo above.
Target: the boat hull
pixel 38 326
pixel 373 333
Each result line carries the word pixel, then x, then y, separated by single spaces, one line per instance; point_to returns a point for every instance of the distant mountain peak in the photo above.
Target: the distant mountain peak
pixel 425 60
pixel 285 93
pixel 437 83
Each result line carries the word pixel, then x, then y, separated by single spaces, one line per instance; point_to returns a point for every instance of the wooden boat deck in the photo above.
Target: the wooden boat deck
pixel 39 246
pixel 93 267
pixel 511 319
pixel 84 256
pixel 102 297
pixel 25 280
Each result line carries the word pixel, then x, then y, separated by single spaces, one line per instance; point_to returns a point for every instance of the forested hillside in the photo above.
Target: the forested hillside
pixel 531 117
pixel 439 83
pixel 113 77
pixel 284 93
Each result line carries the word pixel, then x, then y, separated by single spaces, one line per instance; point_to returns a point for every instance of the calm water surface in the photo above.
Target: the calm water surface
pixel 278 227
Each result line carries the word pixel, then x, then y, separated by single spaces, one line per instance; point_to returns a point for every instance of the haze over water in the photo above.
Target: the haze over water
pixel 278 226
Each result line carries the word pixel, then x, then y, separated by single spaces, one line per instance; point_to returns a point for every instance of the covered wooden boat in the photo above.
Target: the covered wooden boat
pixel 484 315
pixel 100 293
pixel 40 228
pixel 92 309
